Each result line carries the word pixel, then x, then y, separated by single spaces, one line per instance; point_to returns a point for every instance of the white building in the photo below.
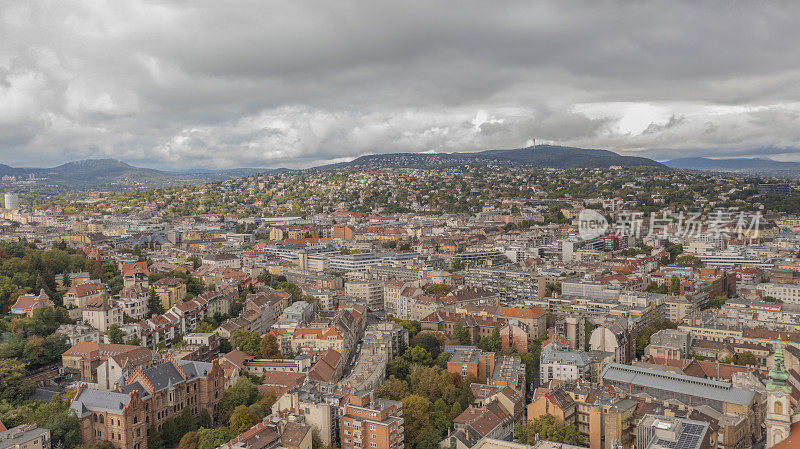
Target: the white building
pixel 133 301
pixel 11 201
pixel 559 362
pixel 353 262
pixel 788 293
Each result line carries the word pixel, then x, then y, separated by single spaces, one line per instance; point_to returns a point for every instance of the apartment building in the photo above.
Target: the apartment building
pixel 80 294
pixel 471 361
pixel 101 314
pixel 788 293
pixel 25 436
pixel 665 432
pixel 135 273
pixel 678 307
pixel 368 423
pixel 672 344
pixel 508 283
pixel 353 262
pixel 170 291
pixel 370 291
pixel 558 361
pixel 134 300
pixel 102 364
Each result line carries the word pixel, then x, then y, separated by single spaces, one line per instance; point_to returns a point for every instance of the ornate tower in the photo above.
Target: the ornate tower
pixel 778 405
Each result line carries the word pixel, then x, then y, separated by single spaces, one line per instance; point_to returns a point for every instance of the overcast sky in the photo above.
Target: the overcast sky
pixel 296 83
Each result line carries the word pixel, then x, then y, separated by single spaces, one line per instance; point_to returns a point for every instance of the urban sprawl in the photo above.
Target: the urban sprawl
pixel 455 307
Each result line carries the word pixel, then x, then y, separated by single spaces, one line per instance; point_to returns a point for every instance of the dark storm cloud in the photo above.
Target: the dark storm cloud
pixel 286 83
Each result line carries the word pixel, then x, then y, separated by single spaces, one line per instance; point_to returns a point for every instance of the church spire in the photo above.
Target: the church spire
pixel 778 374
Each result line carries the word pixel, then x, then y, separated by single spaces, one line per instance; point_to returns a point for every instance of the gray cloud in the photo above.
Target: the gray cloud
pixel 280 83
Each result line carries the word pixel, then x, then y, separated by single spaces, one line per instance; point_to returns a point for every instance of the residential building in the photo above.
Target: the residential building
pixel 670 344
pixel 134 300
pixel 665 432
pixel 368 423
pixel 135 273
pixel 102 364
pixel 300 312
pixel 371 291
pixel 101 314
pixel 170 291
pixel 353 262
pixel 28 304
pixel 80 294
pixel 25 436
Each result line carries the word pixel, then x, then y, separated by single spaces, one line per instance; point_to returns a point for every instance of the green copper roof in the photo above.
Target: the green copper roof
pixel 778 374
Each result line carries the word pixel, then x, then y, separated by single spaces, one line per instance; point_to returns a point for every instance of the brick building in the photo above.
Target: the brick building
pixel 371 423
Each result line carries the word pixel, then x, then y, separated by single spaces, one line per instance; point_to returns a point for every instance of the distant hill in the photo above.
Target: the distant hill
pixel 111 174
pixel 544 156
pixel 744 165
pixel 117 175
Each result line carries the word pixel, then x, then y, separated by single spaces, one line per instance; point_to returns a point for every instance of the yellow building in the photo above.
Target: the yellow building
pixel 170 291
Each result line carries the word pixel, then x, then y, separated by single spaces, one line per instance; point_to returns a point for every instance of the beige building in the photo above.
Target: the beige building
pixel 677 308
pixel 101 314
pixel 170 291
pixel 26 436
pixel 370 291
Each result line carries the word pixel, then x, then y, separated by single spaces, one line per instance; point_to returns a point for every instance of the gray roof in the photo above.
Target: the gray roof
pixel 557 353
pixel 21 434
pixel 679 383
pixel 99 401
pixel 195 369
pixel 135 386
pixel 166 375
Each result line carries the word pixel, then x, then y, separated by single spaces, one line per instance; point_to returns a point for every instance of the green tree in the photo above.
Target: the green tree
pixel 154 306
pixel 547 428
pixel 242 419
pixel 417 416
pixel 15 386
pixel 154 440
pixel 394 389
pixel 212 438
pixel 195 260
pixel 461 334
pixel 270 348
pixel 185 421
pixel 203 418
pixel 189 441
pixel 247 341
pixel 430 341
pixel 746 358
pixel 65 428
pixel 688 260
pixel 243 392
pixel 438 290
pixel 717 302
pixel 493 342
pixel 675 285
pixel 115 334
pixel 170 433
